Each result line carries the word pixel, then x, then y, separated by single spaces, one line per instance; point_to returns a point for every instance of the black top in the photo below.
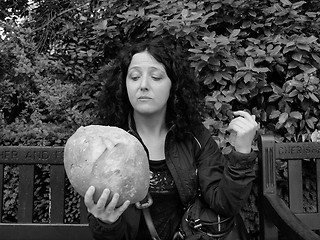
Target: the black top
pixel 166 210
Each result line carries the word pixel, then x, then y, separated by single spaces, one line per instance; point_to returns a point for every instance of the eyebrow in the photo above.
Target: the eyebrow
pixel 152 68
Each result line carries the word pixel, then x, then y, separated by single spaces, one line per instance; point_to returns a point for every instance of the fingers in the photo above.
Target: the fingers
pixel 246 115
pixel 88 197
pixel 123 207
pixel 112 206
pixel 114 200
pixel 242 131
pixel 103 199
pixel 104 210
pixel 243 123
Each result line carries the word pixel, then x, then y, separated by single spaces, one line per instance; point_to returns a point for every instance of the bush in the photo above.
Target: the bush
pixel 39 107
pixel 259 55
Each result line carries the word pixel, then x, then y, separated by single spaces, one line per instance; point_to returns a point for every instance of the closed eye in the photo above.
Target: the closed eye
pixel 156 78
pixel 134 74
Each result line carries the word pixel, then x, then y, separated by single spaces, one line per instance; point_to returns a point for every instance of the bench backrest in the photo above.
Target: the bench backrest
pixel 25 160
pixel 292 221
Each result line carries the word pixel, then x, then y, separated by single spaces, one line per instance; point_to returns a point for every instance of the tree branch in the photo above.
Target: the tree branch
pixel 60 14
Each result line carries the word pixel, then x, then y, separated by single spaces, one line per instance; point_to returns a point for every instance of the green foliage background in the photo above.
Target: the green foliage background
pixel 258 55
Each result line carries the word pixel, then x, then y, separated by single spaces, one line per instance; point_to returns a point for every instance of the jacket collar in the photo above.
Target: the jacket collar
pixel 132 125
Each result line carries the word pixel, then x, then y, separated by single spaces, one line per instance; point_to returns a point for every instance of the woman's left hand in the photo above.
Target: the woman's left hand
pixel 245 127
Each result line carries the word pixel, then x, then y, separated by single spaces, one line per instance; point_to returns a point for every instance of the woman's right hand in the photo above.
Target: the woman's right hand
pixel 107 213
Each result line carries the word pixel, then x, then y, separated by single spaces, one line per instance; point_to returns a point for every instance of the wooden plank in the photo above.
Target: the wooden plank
pixel 267 230
pixel 267 185
pixel 83 211
pixel 45 231
pixel 276 209
pixel 311 218
pixel 295 186
pixel 300 150
pixel 25 206
pixel 31 155
pixel 1 189
pixel 318 185
pixel 57 176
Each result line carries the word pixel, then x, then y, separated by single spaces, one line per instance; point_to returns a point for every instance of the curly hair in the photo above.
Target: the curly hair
pixel 183 107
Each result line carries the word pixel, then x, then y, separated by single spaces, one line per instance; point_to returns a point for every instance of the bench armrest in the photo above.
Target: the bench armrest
pixel 282 217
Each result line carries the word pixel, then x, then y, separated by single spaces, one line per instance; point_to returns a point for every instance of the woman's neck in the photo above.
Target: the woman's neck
pixel 152 125
pixel 153 131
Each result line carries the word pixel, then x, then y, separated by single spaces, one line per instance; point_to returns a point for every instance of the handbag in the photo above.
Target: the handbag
pixel 200 222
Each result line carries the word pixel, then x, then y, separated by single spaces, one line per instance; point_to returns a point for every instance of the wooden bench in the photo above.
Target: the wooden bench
pixel 294 222
pixel 25 160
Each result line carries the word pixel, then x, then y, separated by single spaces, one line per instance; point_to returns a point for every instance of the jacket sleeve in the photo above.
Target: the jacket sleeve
pixel 103 231
pixel 225 180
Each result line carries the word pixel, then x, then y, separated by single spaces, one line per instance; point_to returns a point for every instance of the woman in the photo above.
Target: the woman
pixel 152 93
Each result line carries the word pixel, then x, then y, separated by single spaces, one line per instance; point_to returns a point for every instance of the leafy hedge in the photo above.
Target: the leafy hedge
pixel 258 55
pixel 262 56
pixel 37 109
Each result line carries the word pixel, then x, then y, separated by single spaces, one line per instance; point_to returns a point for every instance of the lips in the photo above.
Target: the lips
pixel 144 97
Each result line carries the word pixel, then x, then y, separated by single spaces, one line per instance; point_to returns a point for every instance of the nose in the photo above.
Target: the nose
pixel 144 84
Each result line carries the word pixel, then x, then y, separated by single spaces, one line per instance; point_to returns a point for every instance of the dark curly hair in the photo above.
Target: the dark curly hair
pixel 183 107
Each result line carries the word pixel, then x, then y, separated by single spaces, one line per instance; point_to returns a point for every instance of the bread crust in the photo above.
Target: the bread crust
pixel 107 157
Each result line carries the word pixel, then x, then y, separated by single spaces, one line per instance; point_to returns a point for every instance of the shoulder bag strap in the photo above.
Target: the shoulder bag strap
pixel 149 222
pixel 144 206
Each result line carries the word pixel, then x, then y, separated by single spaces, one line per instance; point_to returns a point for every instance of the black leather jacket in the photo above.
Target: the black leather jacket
pixel 225 180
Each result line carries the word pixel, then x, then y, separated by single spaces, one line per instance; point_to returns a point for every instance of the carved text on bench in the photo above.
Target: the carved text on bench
pixel 298 151
pixel 31 154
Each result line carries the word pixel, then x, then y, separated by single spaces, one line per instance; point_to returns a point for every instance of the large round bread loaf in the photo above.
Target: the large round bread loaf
pixel 107 157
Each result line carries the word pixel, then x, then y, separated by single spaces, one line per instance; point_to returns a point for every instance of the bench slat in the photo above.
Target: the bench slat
pixel 295 182
pixel 31 155
pixel 83 212
pixel 45 231
pixel 318 184
pixel 1 189
pixel 25 206
pixel 57 176
pixel 311 218
pixel 297 150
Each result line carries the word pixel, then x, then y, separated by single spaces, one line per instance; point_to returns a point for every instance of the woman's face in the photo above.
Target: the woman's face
pixel 148 85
